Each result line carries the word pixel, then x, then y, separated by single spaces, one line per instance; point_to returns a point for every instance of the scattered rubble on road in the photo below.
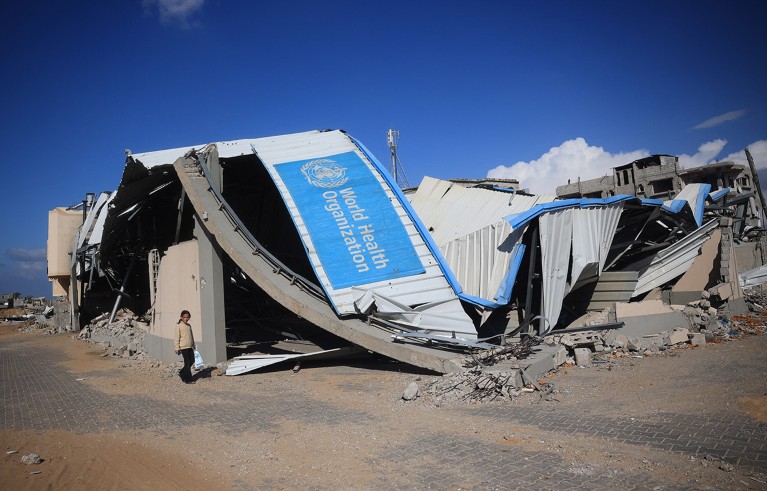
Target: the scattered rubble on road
pixel 31 459
pixel 602 348
pixel 123 337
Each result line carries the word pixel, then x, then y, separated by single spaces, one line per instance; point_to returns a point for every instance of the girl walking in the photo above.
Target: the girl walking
pixel 184 342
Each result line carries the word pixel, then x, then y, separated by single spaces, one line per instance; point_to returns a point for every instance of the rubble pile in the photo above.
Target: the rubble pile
pixel 706 325
pixel 483 382
pixel 490 375
pixel 123 337
pixel 478 385
pixel 510 352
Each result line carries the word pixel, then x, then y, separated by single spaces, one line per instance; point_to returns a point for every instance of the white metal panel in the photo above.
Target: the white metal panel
pixel 674 260
pixel 87 231
pixel 753 277
pixel 451 211
pixel 469 227
pixel 226 149
pixel 691 194
pixel 102 212
pixel 555 233
pixel 481 259
pixel 593 232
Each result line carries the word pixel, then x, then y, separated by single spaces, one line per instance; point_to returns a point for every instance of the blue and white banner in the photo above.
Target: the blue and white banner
pixel 355 229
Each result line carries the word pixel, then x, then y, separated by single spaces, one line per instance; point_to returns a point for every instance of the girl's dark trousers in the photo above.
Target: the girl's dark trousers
pixel 186 372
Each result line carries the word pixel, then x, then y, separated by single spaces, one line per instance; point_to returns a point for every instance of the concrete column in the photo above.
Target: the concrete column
pixel 736 304
pixel 212 344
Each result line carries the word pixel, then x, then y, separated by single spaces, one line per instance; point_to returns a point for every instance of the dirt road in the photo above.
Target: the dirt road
pixel 694 418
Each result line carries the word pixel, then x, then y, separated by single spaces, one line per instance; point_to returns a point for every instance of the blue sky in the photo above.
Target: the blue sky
pixel 539 91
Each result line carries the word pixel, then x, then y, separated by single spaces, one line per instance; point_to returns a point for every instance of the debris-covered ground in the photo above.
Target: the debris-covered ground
pixel 480 383
pixel 490 376
pixel 682 418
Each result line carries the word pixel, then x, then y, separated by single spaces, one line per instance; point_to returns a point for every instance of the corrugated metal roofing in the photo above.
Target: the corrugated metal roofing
pixel 481 262
pixel 556 230
pixel 452 211
pixel 519 219
pixel 753 277
pixel 593 232
pixel 475 241
pixel 674 260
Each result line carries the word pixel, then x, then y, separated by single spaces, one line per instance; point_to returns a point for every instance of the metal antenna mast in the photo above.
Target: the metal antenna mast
pixel 395 166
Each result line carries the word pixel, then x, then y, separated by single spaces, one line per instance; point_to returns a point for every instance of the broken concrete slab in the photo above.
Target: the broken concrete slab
pixel 697 339
pixel 677 336
pixel 544 359
pixel 697 278
pixel 648 317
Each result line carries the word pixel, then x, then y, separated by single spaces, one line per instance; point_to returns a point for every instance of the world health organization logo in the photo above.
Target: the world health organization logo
pixel 324 173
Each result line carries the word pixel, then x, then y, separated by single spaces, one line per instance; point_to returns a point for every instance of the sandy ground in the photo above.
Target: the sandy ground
pixel 297 456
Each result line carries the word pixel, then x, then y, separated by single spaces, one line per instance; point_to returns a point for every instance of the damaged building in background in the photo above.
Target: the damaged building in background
pixel 303 245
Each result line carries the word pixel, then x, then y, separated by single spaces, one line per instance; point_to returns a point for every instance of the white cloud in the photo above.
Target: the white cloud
pixel 570 160
pixel 722 118
pixel 706 154
pixel 758 151
pixel 576 158
pixel 174 11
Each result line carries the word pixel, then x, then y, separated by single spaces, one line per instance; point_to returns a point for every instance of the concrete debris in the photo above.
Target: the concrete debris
pixel 411 392
pixel 510 352
pixel 31 459
pixel 583 357
pixel 122 338
pixel 477 386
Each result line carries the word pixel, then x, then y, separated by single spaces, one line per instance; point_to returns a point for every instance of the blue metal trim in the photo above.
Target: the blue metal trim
pixel 504 190
pixel 480 302
pixel 503 295
pixel 651 202
pixel 605 201
pixel 717 195
pixel 518 219
pixel 700 203
pixel 675 205
pixel 425 235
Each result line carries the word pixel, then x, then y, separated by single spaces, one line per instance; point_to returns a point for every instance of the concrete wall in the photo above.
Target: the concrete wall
pixel 749 256
pixel 63 225
pixel 178 288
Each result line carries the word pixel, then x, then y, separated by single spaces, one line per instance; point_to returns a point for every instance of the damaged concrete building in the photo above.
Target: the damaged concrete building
pixel 303 243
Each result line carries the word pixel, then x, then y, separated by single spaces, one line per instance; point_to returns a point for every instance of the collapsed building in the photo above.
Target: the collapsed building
pixel 303 243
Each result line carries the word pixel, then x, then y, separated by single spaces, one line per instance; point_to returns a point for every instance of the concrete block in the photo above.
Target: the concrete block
pixel 560 356
pixel 654 340
pixel 678 336
pixel 621 341
pixel 609 337
pixel 544 359
pixel 635 344
pixel 698 339
pixel 583 357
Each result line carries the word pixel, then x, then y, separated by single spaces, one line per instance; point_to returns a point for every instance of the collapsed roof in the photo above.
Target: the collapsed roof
pixel 314 228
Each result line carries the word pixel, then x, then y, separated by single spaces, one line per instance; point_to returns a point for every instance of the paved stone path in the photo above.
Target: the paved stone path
pixel 37 393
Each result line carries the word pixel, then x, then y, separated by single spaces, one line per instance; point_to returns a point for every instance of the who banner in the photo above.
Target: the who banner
pixel 354 227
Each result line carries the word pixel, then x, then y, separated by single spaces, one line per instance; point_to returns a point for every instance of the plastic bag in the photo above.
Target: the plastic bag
pixel 198 363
